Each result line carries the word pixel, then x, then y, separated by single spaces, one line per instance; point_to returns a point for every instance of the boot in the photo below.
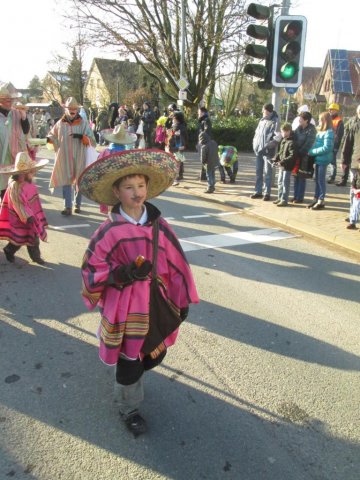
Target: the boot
pixel 10 251
pixel 319 205
pixel 66 212
pixel 34 254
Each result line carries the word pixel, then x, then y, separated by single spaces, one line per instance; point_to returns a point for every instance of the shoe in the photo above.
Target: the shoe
pixel 341 184
pixel 297 201
pixel 318 206
pixel 282 204
pixel 266 198
pixel 38 260
pixel 314 202
pixel 276 202
pixel 10 257
pixel 209 190
pixel 176 183
pixel 135 423
pixel 77 209
pixel 292 200
pixel 351 226
pixel 331 180
pixel 256 195
pixel 66 212
pixel 347 219
pixel 222 181
pixel 232 180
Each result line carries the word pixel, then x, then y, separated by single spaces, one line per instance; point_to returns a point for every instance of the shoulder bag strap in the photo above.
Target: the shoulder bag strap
pixel 155 247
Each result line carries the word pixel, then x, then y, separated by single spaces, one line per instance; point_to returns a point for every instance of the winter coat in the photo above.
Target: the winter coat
pixel 205 124
pixel 177 141
pixel 208 151
pixel 265 133
pixel 323 147
pixel 304 139
pixel 351 146
pixel 286 156
pixel 148 117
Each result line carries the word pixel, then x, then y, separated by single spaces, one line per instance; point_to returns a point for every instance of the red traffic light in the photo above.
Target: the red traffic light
pixel 292 30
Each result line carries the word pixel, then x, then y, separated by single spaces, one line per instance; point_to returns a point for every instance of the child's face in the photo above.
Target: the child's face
pixel 131 192
pixel 285 133
pixel 30 175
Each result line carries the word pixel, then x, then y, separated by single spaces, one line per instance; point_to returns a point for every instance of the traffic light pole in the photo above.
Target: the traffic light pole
pixel 275 98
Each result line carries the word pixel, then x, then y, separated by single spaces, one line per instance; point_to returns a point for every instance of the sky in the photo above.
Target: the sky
pixel 35 30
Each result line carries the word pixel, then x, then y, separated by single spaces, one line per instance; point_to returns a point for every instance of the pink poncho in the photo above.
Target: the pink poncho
pixel 125 313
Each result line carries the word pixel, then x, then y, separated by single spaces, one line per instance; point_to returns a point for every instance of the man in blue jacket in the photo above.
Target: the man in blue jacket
pixel 265 141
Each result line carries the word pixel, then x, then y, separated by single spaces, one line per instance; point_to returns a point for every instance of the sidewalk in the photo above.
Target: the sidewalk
pixel 328 224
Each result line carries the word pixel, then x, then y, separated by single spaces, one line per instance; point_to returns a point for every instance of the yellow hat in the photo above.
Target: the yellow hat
pixel 334 106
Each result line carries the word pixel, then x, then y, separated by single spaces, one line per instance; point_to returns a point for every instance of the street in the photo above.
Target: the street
pixel 263 382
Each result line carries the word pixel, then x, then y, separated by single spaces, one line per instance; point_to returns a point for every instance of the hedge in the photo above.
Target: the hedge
pixel 236 131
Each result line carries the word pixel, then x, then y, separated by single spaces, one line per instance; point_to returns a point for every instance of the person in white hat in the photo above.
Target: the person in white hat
pixel 296 121
pixel 70 136
pixel 22 220
pixel 14 125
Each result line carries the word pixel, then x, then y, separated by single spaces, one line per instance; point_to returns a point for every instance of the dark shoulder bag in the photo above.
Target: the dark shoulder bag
pixel 163 319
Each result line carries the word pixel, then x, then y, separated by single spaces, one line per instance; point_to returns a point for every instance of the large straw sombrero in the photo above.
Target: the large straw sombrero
pixel 7 90
pixel 120 136
pixel 23 164
pixel 97 180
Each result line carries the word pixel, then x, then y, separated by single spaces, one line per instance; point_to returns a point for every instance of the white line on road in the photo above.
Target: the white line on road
pixel 230 239
pixel 196 216
pixel 66 227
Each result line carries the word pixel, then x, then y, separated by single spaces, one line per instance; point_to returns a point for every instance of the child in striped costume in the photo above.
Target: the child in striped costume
pixel 117 268
pixel 22 220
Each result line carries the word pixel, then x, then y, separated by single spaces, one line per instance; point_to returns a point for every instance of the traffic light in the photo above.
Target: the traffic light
pixel 289 50
pixel 264 51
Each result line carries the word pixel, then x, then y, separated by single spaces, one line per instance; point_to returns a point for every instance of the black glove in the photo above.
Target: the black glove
pixel 30 220
pixel 184 313
pixel 77 135
pixel 127 274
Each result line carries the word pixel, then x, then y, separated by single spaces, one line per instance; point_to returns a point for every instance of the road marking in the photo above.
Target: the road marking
pixel 196 216
pixel 66 227
pixel 231 239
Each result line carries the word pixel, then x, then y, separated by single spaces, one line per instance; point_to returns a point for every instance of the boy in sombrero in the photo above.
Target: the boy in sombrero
pixel 117 268
pixel 22 220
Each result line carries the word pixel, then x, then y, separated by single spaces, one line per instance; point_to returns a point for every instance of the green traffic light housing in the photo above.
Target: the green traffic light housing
pixel 289 50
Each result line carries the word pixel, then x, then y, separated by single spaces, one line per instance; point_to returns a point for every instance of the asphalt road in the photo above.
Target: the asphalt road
pixel 263 382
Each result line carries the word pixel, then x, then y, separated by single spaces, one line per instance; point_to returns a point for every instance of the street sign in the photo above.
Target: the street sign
pixel 180 103
pixel 291 90
pixel 182 95
pixel 182 83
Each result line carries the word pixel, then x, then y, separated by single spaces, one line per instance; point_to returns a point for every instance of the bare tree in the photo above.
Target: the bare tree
pixel 149 31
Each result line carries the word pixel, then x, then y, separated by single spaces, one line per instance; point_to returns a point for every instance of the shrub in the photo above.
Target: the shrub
pixel 235 131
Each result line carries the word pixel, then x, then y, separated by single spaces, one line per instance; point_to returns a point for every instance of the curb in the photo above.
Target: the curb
pixel 350 244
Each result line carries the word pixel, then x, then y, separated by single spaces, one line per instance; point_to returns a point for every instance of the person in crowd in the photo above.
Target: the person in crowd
pixel 338 126
pixel 131 126
pixel 160 131
pixel 209 158
pixel 322 151
pixel 70 136
pixel 22 220
pixel 296 122
pixel 172 108
pixel 285 159
pixel 204 121
pixel 228 162
pixel 14 126
pixel 304 136
pixel 355 201
pixel 113 113
pixel 122 117
pixel 148 118
pixel 119 275
pixel 178 142
pixel 136 114
pixel 265 141
pixel 101 124
pixel 351 148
